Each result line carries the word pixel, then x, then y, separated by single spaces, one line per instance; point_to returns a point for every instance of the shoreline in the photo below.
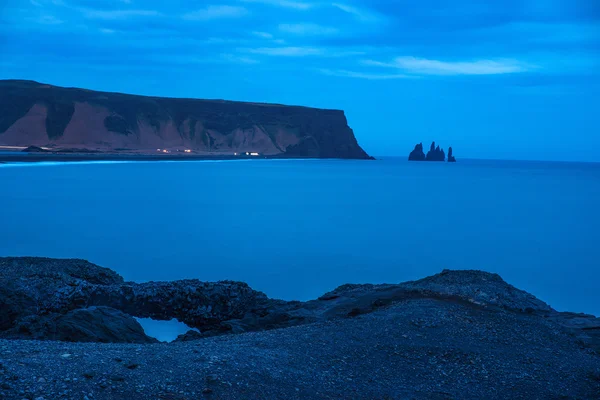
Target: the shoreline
pixel 90 157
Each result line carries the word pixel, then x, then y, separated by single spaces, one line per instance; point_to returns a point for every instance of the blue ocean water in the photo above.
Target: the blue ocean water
pixel 298 228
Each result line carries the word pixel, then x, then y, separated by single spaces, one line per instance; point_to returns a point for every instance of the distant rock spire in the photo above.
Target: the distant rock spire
pixel 451 157
pixel 417 154
pixel 435 153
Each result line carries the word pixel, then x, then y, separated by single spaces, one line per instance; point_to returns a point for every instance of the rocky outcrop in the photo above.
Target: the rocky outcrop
pixel 34 149
pixel 417 154
pixel 190 336
pixel 480 288
pixel 451 157
pixel 92 324
pixel 27 284
pixel 77 300
pixel 39 115
pixel 435 153
pixel 45 287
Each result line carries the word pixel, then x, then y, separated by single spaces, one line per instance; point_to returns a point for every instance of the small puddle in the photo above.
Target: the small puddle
pixel 165 331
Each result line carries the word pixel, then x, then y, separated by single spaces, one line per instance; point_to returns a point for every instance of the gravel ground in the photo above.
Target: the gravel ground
pixel 414 349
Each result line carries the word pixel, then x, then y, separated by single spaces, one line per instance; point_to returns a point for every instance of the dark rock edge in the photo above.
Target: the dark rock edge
pixel 75 300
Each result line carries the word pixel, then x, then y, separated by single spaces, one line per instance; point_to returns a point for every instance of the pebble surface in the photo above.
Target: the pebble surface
pixel 413 349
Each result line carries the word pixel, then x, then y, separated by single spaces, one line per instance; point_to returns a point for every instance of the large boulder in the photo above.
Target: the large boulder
pixel 28 283
pixel 480 288
pixel 100 324
pixel 92 324
pixel 189 336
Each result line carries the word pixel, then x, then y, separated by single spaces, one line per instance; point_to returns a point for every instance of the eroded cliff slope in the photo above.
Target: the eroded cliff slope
pixel 43 115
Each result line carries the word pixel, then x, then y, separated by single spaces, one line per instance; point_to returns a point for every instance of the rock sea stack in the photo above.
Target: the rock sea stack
pixel 451 157
pixel 435 153
pixel 417 154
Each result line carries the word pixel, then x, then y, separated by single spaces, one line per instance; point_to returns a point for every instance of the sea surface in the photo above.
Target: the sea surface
pixel 296 229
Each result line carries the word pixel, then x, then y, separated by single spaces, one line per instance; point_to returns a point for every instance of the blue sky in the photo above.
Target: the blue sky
pixel 512 79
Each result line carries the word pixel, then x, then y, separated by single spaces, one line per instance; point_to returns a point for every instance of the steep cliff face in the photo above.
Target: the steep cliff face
pixel 34 114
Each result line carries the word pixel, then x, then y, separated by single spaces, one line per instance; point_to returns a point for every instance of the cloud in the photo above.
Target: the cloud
pixel 360 14
pixel 216 12
pixel 425 66
pixel 117 14
pixel 48 20
pixel 107 31
pixel 361 75
pixel 264 35
pixel 239 59
pixel 307 51
pixel 296 5
pixel 287 51
pixel 308 29
pixel 41 3
pixel 188 59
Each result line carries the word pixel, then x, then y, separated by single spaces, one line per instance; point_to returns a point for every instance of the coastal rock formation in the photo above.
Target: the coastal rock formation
pixel 435 153
pixel 35 114
pixel 34 149
pixel 451 157
pixel 417 154
pixel 47 287
pixel 75 300
pixel 457 334
pixel 92 324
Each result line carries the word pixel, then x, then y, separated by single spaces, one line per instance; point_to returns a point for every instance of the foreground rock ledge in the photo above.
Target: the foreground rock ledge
pixel 75 300
pixel 455 335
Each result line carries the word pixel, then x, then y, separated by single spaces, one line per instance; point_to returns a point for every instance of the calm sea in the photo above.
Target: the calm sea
pixel 296 229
